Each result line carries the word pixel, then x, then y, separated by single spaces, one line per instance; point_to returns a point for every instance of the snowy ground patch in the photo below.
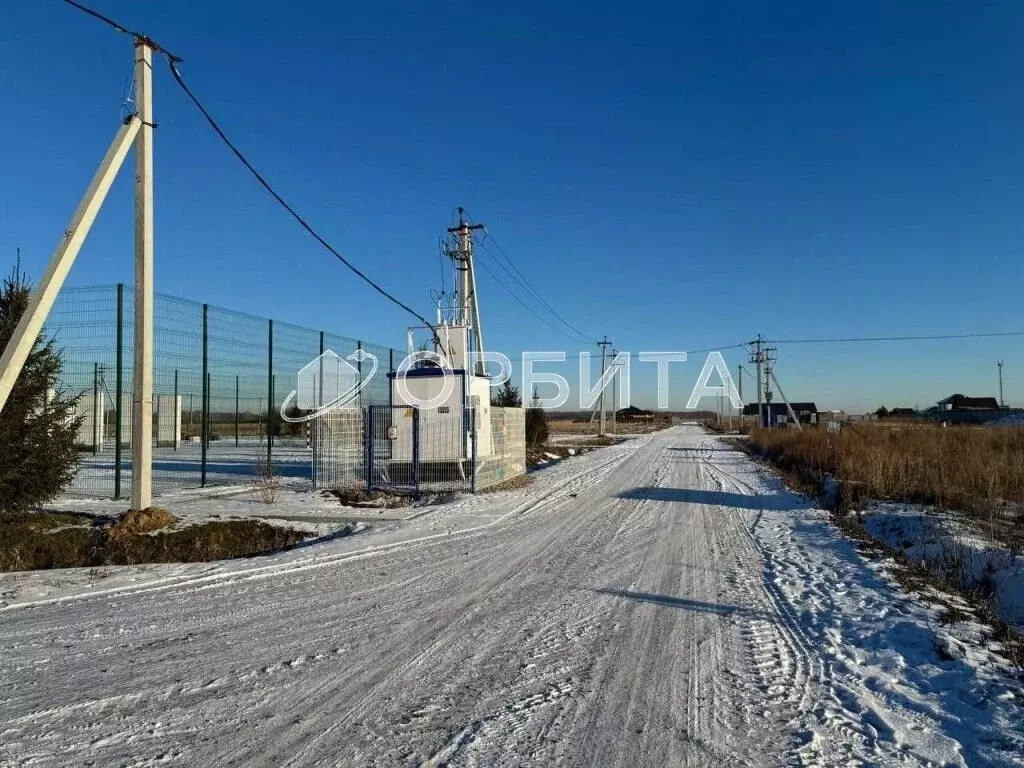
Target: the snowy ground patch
pixel 940 543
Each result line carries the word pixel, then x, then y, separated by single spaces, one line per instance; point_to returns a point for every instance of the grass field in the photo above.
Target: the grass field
pixel 975 471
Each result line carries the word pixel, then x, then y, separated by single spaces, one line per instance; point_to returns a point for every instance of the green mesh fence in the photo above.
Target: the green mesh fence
pixel 220 378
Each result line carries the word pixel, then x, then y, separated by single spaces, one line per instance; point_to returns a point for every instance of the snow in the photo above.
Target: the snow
pixel 663 601
pixel 940 542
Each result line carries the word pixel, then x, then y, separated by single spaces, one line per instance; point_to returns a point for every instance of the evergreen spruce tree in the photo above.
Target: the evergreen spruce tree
pixel 536 424
pixel 38 425
pixel 507 396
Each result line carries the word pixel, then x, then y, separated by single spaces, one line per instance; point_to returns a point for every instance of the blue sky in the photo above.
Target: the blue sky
pixel 675 176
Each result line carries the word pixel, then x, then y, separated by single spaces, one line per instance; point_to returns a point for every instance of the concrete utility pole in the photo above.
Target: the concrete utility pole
pixel 1002 403
pixel 41 301
pixel 739 382
pixel 137 129
pixel 792 413
pixel 469 307
pixel 615 389
pixel 603 344
pixel 757 358
pixel 142 371
pixel 767 360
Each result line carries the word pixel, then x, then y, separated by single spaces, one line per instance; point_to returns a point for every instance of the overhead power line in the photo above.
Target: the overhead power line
pixel 173 61
pixel 933 337
pixel 295 214
pixel 525 283
pixel 526 306
pixel 123 29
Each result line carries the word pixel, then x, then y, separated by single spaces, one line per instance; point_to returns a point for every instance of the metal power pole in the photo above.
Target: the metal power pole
pixel 1002 403
pixel 603 344
pixel 142 370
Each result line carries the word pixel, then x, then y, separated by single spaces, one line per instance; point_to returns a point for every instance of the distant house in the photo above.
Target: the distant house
pixel 902 413
pixel 961 409
pixel 965 403
pixel 778 413
pixel 632 413
pixel 825 416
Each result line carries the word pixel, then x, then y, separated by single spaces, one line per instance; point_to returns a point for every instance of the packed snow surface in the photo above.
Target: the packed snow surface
pixel 662 602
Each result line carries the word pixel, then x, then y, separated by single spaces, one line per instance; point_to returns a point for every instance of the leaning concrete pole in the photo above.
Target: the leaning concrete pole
pixel 142 370
pixel 42 298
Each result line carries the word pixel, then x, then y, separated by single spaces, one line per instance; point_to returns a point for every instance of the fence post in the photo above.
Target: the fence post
pixel 474 435
pixel 415 452
pixel 96 410
pixel 391 360
pixel 236 410
pixel 204 439
pixel 119 360
pixel 369 449
pixel 359 367
pixel 320 383
pixel 177 412
pixel 209 413
pixel 270 389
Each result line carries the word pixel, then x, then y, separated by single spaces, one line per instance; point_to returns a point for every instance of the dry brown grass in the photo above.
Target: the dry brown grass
pixel 972 470
pixel 568 426
pixel 142 521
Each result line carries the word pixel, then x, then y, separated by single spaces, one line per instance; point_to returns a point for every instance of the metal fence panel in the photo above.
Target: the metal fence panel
pixel 416 450
pixel 391 448
pixel 220 378
pixel 339 449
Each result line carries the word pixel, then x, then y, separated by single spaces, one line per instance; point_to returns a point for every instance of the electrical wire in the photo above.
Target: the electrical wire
pixel 533 290
pixel 295 214
pixel 526 306
pixel 173 61
pixel 596 355
pixel 935 337
pixel 520 278
pixel 124 30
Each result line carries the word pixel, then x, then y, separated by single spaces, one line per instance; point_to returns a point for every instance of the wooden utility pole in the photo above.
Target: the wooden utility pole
pixel 142 370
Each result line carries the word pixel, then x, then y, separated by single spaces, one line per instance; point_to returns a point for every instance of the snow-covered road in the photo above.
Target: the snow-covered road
pixel 663 602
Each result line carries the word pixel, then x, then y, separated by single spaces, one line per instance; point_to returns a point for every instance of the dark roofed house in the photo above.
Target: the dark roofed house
pixel 632 413
pixel 961 409
pixel 902 412
pixel 778 413
pixel 965 403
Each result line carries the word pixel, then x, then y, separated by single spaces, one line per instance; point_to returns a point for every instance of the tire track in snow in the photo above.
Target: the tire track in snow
pixel 842 721
pixel 315 560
